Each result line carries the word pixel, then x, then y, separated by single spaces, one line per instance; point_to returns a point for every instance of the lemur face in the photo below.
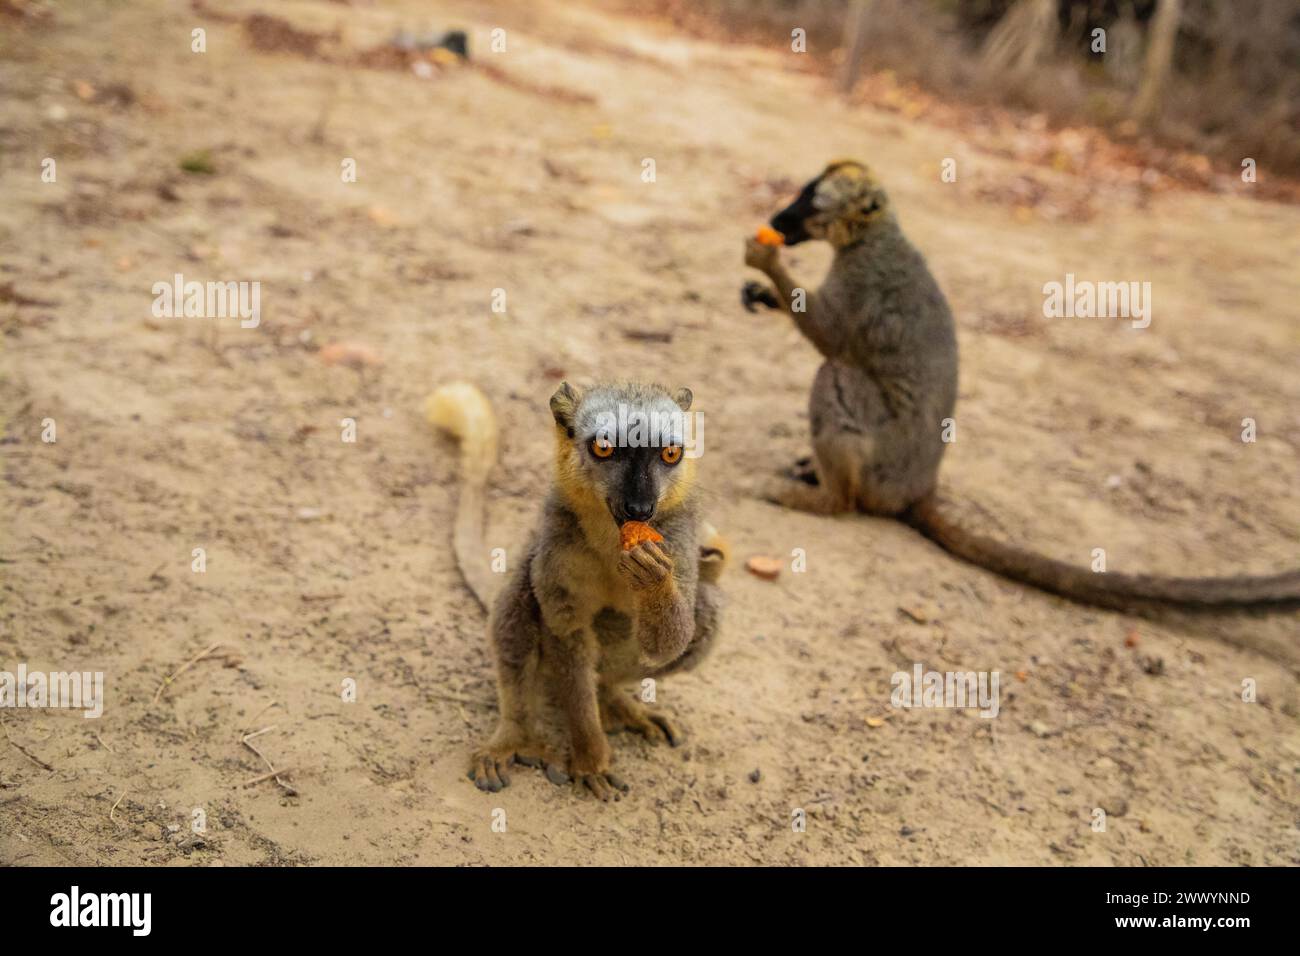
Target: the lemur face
pixel 623 447
pixel 837 206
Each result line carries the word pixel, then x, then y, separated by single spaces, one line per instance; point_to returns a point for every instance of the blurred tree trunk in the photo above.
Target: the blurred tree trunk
pixel 856 26
pixel 1123 56
pixel 1160 60
pixel 1021 38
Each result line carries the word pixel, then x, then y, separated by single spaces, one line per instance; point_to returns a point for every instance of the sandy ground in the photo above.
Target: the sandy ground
pixel 329 560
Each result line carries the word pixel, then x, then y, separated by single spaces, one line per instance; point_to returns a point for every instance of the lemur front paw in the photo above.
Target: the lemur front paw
pixel 755 293
pixel 760 256
pixel 646 567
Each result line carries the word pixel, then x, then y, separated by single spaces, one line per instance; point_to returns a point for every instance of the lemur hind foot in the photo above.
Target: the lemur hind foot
pixel 619 712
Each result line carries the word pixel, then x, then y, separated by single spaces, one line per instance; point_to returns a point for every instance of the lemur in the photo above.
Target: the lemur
pixel 578 617
pixel 890 379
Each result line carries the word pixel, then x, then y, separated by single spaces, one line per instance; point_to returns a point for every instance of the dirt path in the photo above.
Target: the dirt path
pixel 329 560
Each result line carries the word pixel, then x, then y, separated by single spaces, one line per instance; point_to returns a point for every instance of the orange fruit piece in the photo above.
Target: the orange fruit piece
pixel 769 569
pixel 354 355
pixel 769 236
pixel 633 533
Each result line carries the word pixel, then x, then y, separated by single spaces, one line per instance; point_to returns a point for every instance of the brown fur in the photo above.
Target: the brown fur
pixel 579 618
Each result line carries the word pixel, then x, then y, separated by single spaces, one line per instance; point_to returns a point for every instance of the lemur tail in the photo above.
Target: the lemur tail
pixel 460 409
pixel 1082 584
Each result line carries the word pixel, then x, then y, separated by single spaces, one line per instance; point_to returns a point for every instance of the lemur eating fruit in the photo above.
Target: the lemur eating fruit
pixel 879 401
pixel 617 583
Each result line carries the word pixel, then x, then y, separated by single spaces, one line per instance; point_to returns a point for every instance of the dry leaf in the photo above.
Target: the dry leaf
pixel 381 216
pixel 916 613
pixel 354 355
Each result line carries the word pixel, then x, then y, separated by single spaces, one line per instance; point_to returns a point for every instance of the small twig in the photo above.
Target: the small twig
pixel 245 740
pixel 457 699
pixel 183 668
pixel 647 335
pixel 276 775
pixel 104 745
pixel 113 809
pixel 24 751
pixel 260 713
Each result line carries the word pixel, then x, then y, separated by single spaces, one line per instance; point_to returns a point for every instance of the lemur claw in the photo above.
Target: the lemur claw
pixel 489 772
pixel 646 566
pixel 605 786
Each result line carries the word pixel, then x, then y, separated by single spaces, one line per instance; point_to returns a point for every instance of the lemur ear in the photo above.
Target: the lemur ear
pixel 564 406
pixel 683 397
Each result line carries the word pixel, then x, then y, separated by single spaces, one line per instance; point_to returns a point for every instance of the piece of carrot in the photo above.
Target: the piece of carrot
pixel 769 236
pixel 633 533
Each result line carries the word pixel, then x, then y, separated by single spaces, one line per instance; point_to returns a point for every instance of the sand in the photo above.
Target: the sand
pixel 328 561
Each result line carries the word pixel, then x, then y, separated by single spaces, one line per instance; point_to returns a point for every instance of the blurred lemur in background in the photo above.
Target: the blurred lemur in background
pixel 889 381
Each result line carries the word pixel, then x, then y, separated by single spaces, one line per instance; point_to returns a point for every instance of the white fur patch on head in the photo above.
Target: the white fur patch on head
pixel 844 184
pixel 630 409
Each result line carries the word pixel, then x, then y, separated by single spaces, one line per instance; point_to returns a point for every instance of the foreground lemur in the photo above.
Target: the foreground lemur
pixel 879 401
pixel 579 617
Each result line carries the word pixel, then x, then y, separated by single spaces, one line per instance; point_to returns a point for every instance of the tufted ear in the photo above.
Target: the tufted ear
pixel 683 397
pixel 564 406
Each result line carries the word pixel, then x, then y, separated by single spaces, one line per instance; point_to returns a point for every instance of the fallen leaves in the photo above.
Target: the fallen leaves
pixel 198 162
pixel 353 355
pixel 271 34
pixel 920 613
pixel 1097 159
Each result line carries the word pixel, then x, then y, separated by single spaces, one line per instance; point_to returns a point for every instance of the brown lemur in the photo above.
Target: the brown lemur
pixel 889 381
pixel 578 617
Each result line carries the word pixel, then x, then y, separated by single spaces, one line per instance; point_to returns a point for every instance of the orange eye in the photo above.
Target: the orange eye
pixel 602 447
pixel 671 454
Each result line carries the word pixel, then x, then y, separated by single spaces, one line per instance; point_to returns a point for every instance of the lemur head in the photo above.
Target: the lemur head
pixel 841 206
pixel 622 448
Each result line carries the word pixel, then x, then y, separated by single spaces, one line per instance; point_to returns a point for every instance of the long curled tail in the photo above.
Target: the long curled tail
pixel 1089 587
pixel 463 411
